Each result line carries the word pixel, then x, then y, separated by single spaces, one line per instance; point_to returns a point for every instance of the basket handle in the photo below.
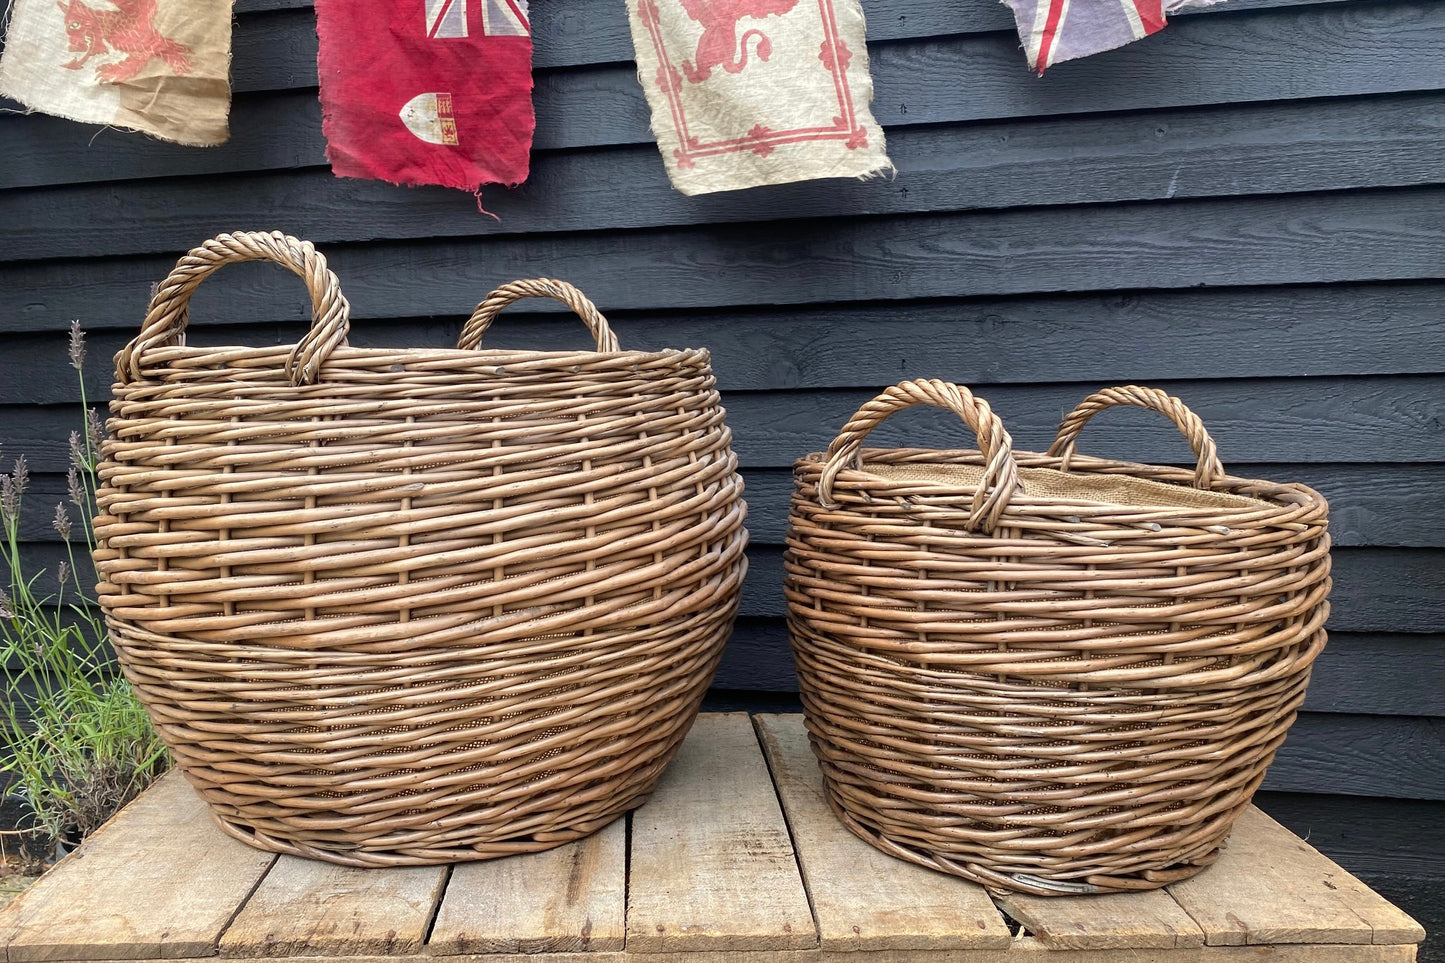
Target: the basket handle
pixel 1207 469
pixel 492 305
pixel 1000 474
pixel 169 310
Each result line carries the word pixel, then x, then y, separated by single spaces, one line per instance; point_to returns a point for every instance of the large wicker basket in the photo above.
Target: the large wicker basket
pixel 1048 673
pixel 414 606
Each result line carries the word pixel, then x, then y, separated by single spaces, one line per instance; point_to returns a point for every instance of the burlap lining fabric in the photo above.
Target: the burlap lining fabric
pixel 1057 486
pixel 1047 672
pixel 408 606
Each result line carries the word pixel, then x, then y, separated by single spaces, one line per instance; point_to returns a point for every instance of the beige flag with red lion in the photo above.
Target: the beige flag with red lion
pixel 751 92
pixel 158 66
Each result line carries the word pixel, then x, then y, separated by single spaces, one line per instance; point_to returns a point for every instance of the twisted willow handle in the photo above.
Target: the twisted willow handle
pixel 1208 471
pixel 476 326
pixel 168 314
pixel 1000 474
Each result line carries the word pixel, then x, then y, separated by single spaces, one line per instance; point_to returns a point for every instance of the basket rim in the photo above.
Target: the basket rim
pixel 160 356
pixel 1263 490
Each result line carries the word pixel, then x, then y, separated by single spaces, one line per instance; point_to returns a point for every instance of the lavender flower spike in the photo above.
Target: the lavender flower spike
pixel 72 484
pixel 77 345
pixel 62 524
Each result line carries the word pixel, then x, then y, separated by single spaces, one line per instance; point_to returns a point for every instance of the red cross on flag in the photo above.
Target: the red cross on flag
pixel 1053 31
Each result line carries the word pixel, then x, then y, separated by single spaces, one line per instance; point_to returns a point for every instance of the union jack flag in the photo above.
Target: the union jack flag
pixel 1053 31
pixel 455 18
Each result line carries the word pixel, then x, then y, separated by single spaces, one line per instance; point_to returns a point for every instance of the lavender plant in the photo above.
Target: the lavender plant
pixel 74 741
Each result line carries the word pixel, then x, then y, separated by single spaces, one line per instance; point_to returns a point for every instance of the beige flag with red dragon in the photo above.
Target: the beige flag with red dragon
pixel 158 66
pixel 752 92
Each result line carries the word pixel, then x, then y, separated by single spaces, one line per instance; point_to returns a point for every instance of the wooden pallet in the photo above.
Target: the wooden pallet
pixel 736 859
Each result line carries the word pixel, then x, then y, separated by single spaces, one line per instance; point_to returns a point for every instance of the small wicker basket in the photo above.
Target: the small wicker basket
pixel 1048 673
pixel 414 606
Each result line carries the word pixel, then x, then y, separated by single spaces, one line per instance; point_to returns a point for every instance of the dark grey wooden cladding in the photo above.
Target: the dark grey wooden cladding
pixel 1353 142
pixel 1367 835
pixel 1377 419
pixel 1324 330
pixel 1245 209
pixel 1317 238
pixel 1400 506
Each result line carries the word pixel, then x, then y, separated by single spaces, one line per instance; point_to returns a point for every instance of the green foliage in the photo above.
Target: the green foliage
pixel 77 745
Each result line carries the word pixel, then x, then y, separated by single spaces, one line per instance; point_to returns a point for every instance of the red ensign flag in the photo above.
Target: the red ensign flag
pixel 427 91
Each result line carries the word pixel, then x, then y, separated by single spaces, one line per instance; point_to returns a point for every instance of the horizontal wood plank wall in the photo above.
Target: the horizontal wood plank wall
pixel 1245 210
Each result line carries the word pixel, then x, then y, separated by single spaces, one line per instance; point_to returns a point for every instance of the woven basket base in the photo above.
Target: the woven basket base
pixel 1019 882
pixel 487 818
pixel 434 855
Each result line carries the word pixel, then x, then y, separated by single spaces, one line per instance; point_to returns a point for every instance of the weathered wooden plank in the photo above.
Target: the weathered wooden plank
pixel 274 50
pixel 1270 887
pixel 1118 921
pixel 1369 837
pixel 1364 755
pixel 1324 420
pixel 1378 673
pixel 305 907
pixel 1036 951
pixel 566 900
pixel 715 820
pixel 1029 950
pixel 1386 590
pixel 1250 149
pixel 1340 329
pixel 863 899
pixel 268 132
pixel 182 881
pixel 257 6
pixel 1350 236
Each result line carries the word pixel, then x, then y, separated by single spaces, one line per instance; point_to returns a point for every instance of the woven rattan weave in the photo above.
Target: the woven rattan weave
pixel 1048 673
pixel 414 606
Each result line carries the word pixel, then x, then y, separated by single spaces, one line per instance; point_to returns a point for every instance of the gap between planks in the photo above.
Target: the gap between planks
pixel 714 816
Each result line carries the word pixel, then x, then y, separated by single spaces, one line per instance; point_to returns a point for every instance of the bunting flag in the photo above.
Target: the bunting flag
pixel 1053 31
pixel 427 91
pixel 158 66
pixel 750 92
